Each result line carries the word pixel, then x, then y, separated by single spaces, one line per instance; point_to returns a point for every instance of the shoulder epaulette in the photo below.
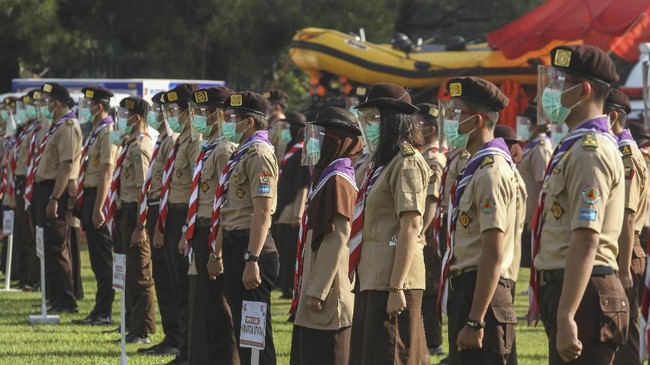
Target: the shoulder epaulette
pixel 487 160
pixel 589 140
pixel 626 151
pixel 407 149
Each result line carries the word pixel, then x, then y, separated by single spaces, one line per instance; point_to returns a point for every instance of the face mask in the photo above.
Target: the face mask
pixel 451 133
pixel 552 104
pixel 46 113
pixel 557 134
pixel 86 115
pixel 285 136
pixel 200 124
pixel 116 138
pixel 21 117
pixel 30 112
pixel 313 149
pixel 372 133
pixel 152 120
pixel 123 126
pixel 4 114
pixel 524 133
pixel 175 125
pixel 230 131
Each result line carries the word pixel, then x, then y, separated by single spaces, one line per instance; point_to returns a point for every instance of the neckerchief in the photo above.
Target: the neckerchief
pixel 84 157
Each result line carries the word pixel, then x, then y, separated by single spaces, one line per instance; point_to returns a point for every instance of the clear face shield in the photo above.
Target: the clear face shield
pixel 204 118
pixel 9 121
pixel 85 110
pixel 21 115
pixel 449 119
pixel 314 135
pixel 284 133
pixel 524 128
pixel 369 119
pixel 550 88
pixel 174 115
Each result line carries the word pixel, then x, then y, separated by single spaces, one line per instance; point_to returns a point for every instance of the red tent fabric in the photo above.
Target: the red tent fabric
pixel 627 45
pixel 595 21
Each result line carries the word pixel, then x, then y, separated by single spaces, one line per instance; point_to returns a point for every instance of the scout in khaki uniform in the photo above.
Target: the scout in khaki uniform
pixel 149 203
pixel 6 187
pixel 641 135
pixel 278 129
pixel 242 219
pixel 174 204
pixel 475 288
pixel 139 281
pixel 57 166
pixel 386 245
pixel 98 160
pixel 631 256
pixel 581 300
pixel 323 300
pixel 211 332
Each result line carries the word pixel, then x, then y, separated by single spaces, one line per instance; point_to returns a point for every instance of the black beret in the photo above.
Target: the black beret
pixel 135 105
pixel 158 98
pixel 277 97
pixel 180 95
pixel 212 95
pixel 97 93
pixel 338 118
pixel 56 91
pixel 295 119
pixel 248 101
pixel 479 91
pixel 617 99
pixel 10 101
pixel 389 96
pixel 429 113
pixel 507 133
pixel 31 96
pixel 585 61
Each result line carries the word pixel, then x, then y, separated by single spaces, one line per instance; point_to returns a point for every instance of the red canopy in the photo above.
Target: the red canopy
pixel 627 45
pixel 597 22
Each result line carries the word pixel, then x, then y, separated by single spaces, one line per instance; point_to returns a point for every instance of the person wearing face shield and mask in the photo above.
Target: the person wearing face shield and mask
pixel 475 287
pixel 56 164
pixel 97 161
pixel 241 218
pixel 631 256
pixel 8 115
pixel 278 129
pixel 386 245
pixel 580 214
pixel 323 301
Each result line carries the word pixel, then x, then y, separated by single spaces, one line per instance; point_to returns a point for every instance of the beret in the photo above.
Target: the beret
pixel 180 95
pixel 158 97
pixel 429 113
pixel 479 91
pixel 335 117
pixel 56 91
pixel 585 61
pixel 135 104
pixel 618 100
pixel 295 119
pixel 10 101
pixel 276 97
pixel 97 93
pixel 389 96
pixel 212 95
pixel 248 101
pixel 507 133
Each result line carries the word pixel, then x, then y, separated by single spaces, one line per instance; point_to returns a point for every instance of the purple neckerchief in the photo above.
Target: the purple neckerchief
pixel 625 138
pixel 257 137
pixel 341 167
pixel 532 144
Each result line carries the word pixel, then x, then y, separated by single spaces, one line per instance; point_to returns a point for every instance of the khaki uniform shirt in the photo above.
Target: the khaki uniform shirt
pixel 636 184
pixel 23 153
pixel 180 187
pixel 489 202
pixel 522 198
pixel 401 187
pixel 437 162
pixel 6 163
pixel 256 174
pixel 360 168
pixel 532 168
pixel 645 151
pixel 325 276
pixel 134 168
pixel 210 174
pixel 585 190
pixel 457 160
pixel 63 145
pixel 159 165
pixel 102 151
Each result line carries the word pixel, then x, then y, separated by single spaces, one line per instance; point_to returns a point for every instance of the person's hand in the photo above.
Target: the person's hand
pixel 469 339
pixel 139 237
pixel 626 278
pixel 396 303
pixel 314 304
pixel 568 345
pixel 182 243
pixel 215 268
pixel 98 218
pixel 157 239
pixel 251 277
pixel 50 211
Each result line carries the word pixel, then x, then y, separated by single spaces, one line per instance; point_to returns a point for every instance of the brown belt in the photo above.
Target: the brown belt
pixel 550 276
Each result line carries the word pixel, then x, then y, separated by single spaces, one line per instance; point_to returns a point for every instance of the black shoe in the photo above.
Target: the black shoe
pixel 159 349
pixel 65 310
pixel 179 360
pixel 94 320
pixel 117 330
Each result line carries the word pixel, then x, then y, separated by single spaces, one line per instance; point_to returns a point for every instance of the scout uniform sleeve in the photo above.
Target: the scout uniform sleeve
pixel 68 142
pixel 493 192
pixel 434 181
pixel 263 174
pixel 108 153
pixel 632 183
pixel 141 157
pixel 539 159
pixel 409 184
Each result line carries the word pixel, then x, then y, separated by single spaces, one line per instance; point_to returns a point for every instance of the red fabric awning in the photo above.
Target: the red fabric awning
pixel 627 45
pixel 595 21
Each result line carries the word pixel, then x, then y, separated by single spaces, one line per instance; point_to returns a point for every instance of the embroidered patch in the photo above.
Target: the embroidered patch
pixel 562 58
pixel 179 173
pixel 589 140
pixel 464 155
pixel 455 89
pixel 487 160
pixel 407 149
pixel 90 94
pixel 47 88
pixel 127 174
pixel 587 215
pixel 556 170
pixel 137 159
pixel 204 186
pixel 488 206
pixel 590 194
pixel 240 193
pixel 69 122
pixel 201 96
pixel 158 175
pixel 95 160
pixel 264 189
pixel 236 100
pixel 542 142
pixel 235 179
pixel 629 173
pixel 557 210
pixel 464 220
pixel 265 177
pixel 626 151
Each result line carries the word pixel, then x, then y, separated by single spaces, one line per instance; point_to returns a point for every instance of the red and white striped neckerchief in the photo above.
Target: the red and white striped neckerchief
pixel 356 234
pixel 166 183
pixel 31 150
pixel 84 159
pixel 36 158
pixel 290 152
pixel 8 167
pixel 192 211
pixel 142 198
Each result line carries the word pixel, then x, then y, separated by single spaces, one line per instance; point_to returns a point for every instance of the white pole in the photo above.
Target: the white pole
pixel 10 249
pixel 43 318
pixel 123 358
pixel 255 356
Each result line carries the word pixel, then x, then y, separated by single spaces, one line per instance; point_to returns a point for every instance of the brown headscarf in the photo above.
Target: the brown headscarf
pixel 337 196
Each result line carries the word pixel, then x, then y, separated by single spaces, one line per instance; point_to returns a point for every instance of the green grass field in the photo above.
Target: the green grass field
pixel 22 343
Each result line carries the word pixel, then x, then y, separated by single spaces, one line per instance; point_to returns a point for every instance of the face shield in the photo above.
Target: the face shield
pixel 524 128
pixel 550 88
pixel 313 141
pixel 204 118
pixel 21 115
pixel 369 119
pixel 173 113
pixel 284 133
pixel 85 111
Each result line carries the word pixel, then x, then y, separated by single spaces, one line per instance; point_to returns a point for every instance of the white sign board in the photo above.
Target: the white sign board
pixel 119 271
pixel 253 325
pixel 40 243
pixel 8 222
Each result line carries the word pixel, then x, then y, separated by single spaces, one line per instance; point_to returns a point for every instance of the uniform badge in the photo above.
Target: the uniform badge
pixel 487 160
pixel 589 140
pixel 201 96
pixel 626 151
pixel 240 193
pixel 172 96
pixel 556 170
pixel 562 58
pixel 127 174
pixel 158 175
pixel 557 210
pixel 361 91
pixel 137 159
pixel 590 194
pixel 464 155
pixel 488 206
pixel 90 94
pixel 47 88
pixel 236 100
pixel 542 142
pixel 235 179
pixel 179 173
pixel 629 173
pixel 455 89
pixel 204 187
pixel 265 177
pixel 464 220
pixel 646 158
pixel 69 122
pixel 130 104
pixel 95 160
pixel 264 189
pixel 588 215
pixel 407 149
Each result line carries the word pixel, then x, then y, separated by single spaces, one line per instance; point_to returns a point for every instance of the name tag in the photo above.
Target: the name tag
pixel 587 215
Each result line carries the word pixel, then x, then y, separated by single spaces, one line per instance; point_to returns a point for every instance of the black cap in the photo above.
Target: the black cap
pixel 334 117
pixel 214 96
pixel 585 61
pixel 158 98
pixel 616 99
pixel 479 91
pixel 31 96
pixel 248 101
pixel 389 96
pixel 135 105
pixel 507 133
pixel 295 119
pixel 428 113
pixel 97 93
pixel 180 95
pixel 56 91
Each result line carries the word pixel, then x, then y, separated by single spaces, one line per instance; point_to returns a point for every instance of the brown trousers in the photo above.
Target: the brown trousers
pixel 24 236
pixel 320 347
pixel 602 319
pixel 378 339
pixel 431 317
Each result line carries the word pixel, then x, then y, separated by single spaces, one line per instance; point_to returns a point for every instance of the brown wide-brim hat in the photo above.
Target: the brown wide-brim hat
pixel 335 117
pixel 389 96
pixel 617 99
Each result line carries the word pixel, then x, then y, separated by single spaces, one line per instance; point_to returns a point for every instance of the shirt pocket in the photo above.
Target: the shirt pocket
pixel 238 191
pixel 466 224
pixel 555 209
pixel 182 173
pixel 128 169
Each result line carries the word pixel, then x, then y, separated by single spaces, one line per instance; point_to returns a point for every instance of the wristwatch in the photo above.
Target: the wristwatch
pixel 248 257
pixel 474 324
pixel 214 257
pixel 52 197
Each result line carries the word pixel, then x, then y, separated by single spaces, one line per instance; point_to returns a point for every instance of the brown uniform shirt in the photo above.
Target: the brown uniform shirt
pixel 159 165
pixel 401 187
pixel 181 184
pixel 636 184
pixel 585 190
pixel 134 168
pixel 102 151
pixel 437 161
pixel 532 168
pixel 210 174
pixel 63 145
pixel 325 276
pixel 256 174
pixel 522 198
pixel 23 153
pixel 457 160
pixel 489 202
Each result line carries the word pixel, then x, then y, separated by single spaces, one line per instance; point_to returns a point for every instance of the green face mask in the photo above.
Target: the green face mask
pixel 175 125
pixel 116 138
pixel 285 136
pixel 152 120
pixel 313 149
pixel 46 113
pixel 200 124
pixel 552 104
pixel 4 114
pixel 30 112
pixel 123 126
pixel 372 133
pixel 452 136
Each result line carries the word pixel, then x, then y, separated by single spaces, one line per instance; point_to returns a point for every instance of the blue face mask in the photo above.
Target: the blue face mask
pixel 285 136
pixel 313 149
pixel 372 133
pixel 116 138
pixel 175 125
pixel 455 139
pixel 152 120
pixel 30 112
pixel 86 115
pixel 200 124
pixel 552 104
pixel 4 114
pixel 46 113
pixel 123 126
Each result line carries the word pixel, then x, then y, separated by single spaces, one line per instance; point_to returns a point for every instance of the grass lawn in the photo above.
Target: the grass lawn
pixel 22 343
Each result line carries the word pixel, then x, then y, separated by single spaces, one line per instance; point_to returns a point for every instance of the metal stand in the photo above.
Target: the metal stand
pixel 123 358
pixel 255 357
pixel 44 318
pixel 10 249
